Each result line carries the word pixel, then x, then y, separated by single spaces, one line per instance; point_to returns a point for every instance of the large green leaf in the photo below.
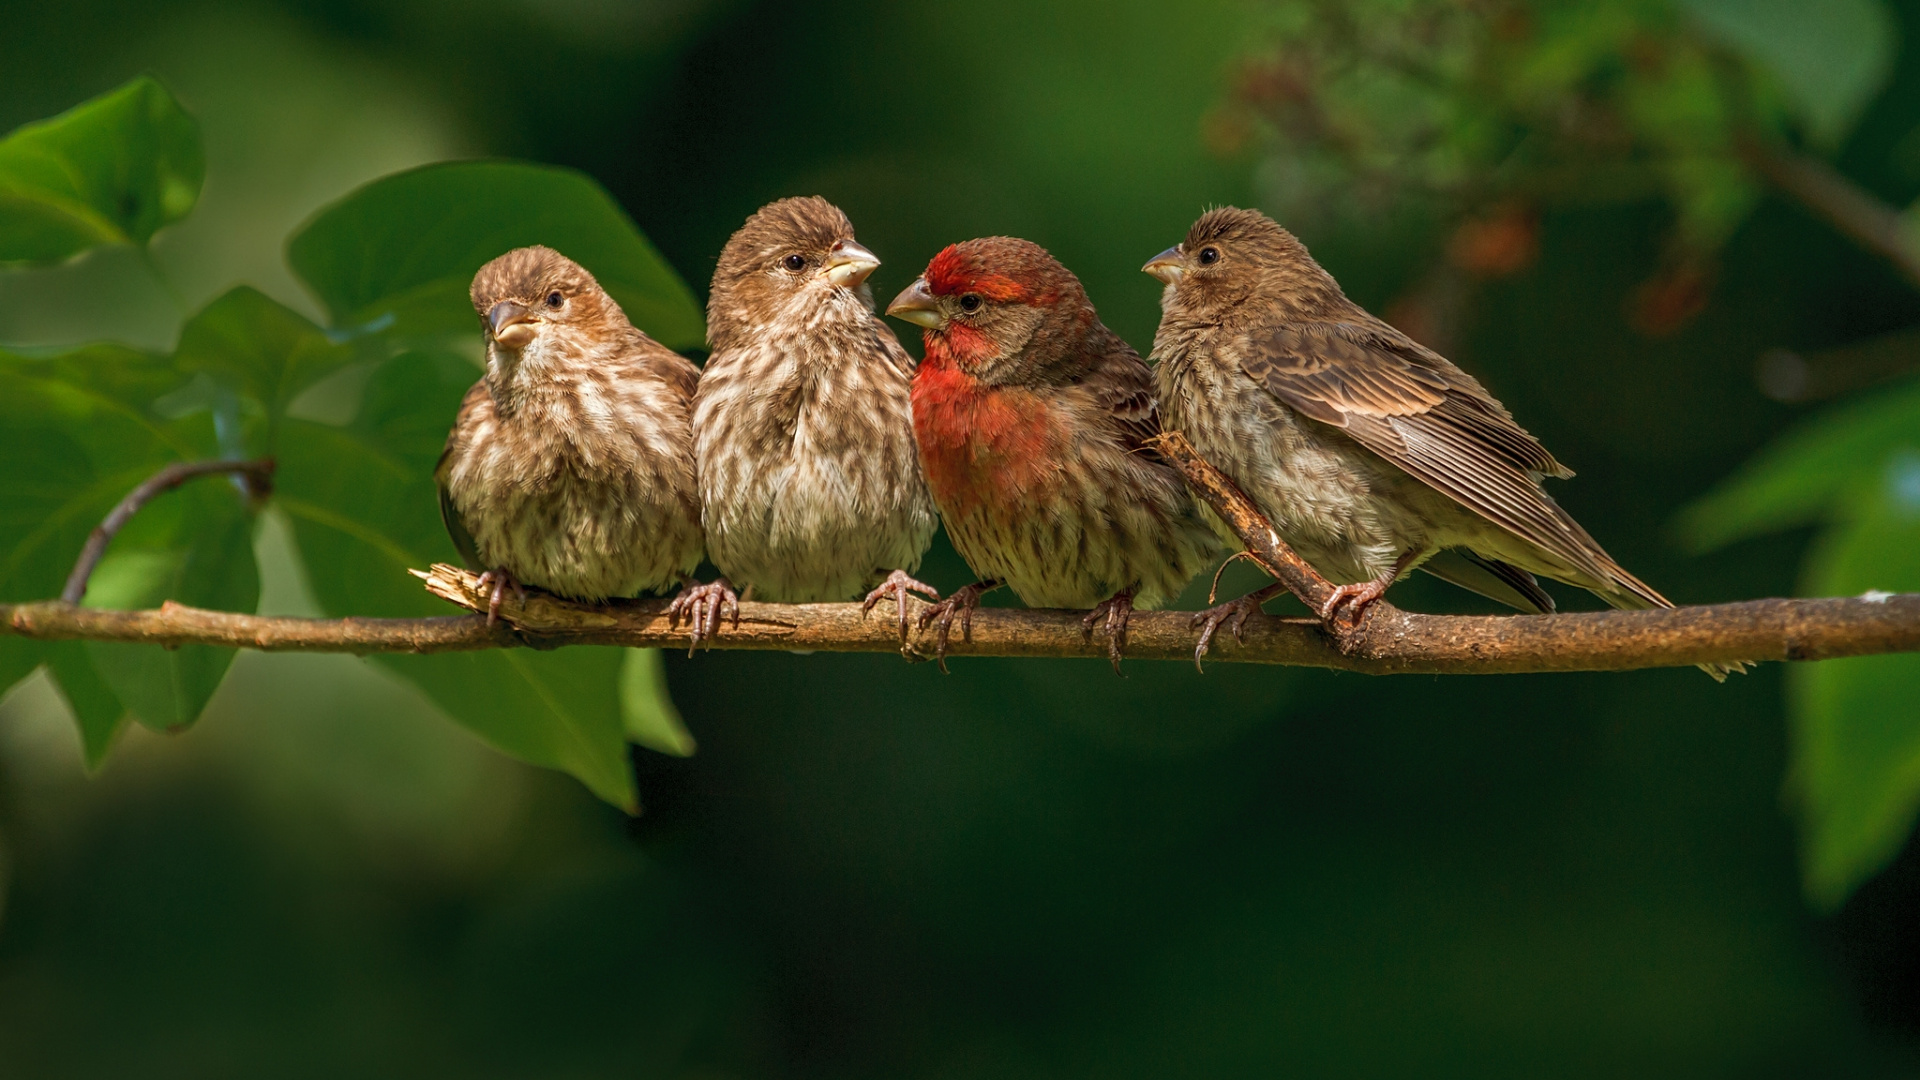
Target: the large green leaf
pixel 77 434
pixel 1856 722
pixel 114 170
pixel 209 564
pixel 406 247
pixel 1831 56
pixel 1796 479
pixel 262 350
pixel 363 508
pixel 647 709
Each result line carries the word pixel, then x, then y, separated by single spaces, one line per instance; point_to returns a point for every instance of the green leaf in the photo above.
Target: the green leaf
pixel 262 350
pixel 1856 722
pixel 113 170
pixel 1798 478
pixel 364 510
pixel 407 246
pixel 210 564
pixel 1831 57
pixel 77 435
pixel 96 708
pixel 647 709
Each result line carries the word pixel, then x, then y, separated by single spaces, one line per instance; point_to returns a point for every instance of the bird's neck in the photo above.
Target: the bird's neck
pixel 518 378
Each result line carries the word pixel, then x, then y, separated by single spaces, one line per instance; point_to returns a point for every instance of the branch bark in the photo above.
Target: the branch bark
pixel 1395 642
pixel 1388 640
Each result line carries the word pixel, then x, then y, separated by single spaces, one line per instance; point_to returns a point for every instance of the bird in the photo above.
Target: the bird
pixel 570 464
pixel 1033 421
pixel 810 486
pixel 1370 454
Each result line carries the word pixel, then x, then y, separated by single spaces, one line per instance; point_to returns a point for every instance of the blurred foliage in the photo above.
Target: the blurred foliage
pixel 359 494
pixel 1856 767
pixel 1478 115
pixel 869 870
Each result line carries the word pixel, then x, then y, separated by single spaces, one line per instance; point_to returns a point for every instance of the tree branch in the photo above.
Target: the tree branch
pixel 258 476
pixel 1387 641
pixel 1395 642
pixel 1846 206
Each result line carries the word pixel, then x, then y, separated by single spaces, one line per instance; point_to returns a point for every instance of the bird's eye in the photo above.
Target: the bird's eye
pixel 795 263
pixel 554 300
pixel 1209 256
pixel 970 302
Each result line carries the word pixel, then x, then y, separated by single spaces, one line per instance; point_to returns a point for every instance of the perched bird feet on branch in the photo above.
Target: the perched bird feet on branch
pixel 704 606
pixel 961 603
pixel 898 586
pixel 1117 611
pixel 1233 615
pixel 495 584
pixel 1346 607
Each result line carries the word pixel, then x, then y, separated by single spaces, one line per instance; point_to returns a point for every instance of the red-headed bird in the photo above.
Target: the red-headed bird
pixel 1032 420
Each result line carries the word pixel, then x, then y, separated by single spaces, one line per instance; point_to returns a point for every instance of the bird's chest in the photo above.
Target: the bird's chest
pixel 987 452
pixel 1317 486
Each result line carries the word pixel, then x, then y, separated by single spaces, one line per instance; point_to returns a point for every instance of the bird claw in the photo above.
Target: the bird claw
pixel 704 606
pixel 1352 599
pixel 962 603
pixel 495 583
pixel 1233 614
pixel 899 587
pixel 1118 612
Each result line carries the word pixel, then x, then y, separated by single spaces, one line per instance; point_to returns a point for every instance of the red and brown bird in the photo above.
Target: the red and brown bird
pixel 810 486
pixel 1370 454
pixel 570 465
pixel 1032 420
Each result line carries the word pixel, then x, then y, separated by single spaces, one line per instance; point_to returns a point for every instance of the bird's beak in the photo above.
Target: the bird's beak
pixel 916 305
pixel 848 264
pixel 1169 266
pixel 511 324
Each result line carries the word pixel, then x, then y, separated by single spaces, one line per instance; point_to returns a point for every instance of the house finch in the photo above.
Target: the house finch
pixel 809 486
pixel 1370 454
pixel 1032 419
pixel 570 466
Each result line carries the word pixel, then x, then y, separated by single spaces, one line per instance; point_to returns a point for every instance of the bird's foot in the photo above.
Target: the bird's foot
pixel 961 603
pixel 898 586
pixel 1117 612
pixel 495 583
pixel 704 606
pixel 1349 603
pixel 1233 615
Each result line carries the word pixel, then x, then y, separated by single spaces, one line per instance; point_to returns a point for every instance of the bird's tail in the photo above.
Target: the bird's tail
pixel 1629 593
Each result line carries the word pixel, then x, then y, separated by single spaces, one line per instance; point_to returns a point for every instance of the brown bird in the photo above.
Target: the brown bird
pixel 1032 420
pixel 570 466
pixel 1369 453
pixel 810 488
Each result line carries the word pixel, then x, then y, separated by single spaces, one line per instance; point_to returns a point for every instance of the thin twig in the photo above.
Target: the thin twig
pixel 1848 207
pixel 258 476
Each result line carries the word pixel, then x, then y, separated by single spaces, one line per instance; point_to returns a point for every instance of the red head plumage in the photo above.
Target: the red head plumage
pixel 1001 269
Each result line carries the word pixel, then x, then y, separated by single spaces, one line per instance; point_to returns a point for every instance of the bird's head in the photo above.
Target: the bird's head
pixel 1001 309
pixel 1229 255
pixel 537 306
pixel 794 261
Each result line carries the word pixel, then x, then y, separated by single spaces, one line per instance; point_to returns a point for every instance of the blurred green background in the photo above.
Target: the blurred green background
pixel 1023 869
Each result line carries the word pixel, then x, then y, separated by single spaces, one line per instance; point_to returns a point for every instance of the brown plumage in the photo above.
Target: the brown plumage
pixel 1371 454
pixel 1032 420
pixel 810 488
pixel 570 466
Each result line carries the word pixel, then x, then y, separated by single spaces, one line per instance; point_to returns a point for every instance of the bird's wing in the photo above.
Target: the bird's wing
pixel 457 530
pixel 1421 413
pixel 1491 578
pixel 1120 386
